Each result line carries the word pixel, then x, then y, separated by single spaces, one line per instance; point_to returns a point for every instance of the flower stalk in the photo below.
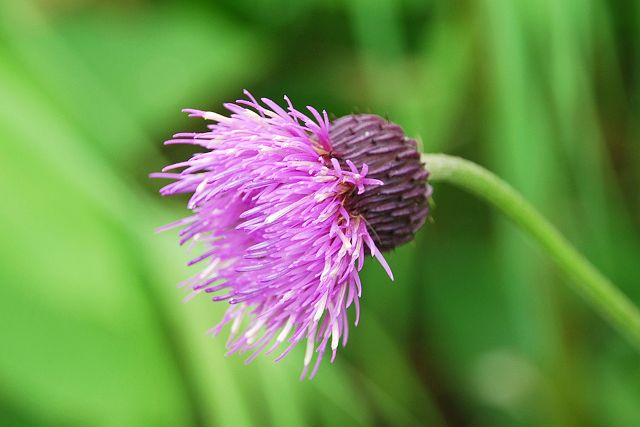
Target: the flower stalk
pixel 597 290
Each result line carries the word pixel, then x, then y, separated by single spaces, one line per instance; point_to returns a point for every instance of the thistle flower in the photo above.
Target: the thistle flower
pixel 286 206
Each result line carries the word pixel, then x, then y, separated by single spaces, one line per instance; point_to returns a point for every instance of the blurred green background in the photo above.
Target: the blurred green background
pixel 477 330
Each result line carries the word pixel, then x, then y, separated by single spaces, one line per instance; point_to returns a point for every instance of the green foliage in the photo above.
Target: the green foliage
pixel 474 331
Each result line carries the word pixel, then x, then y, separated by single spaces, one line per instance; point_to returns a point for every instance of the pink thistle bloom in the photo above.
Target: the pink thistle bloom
pixel 286 220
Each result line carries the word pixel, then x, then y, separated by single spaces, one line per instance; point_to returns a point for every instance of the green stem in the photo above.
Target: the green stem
pixel 596 289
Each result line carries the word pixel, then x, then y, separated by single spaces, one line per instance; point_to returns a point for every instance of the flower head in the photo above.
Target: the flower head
pixel 286 205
